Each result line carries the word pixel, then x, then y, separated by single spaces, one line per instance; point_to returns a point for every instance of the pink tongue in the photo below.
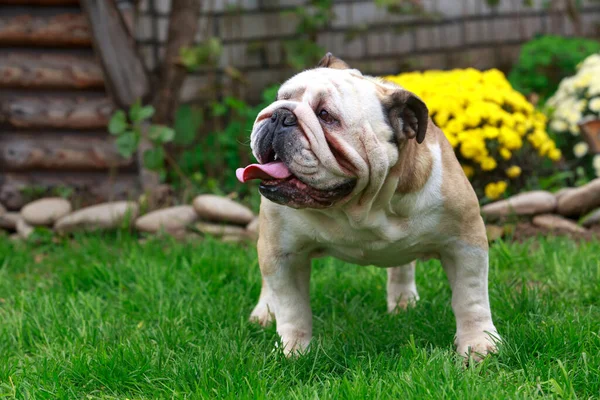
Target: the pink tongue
pixel 272 170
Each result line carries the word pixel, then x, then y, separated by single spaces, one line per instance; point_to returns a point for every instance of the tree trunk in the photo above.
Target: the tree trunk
pixel 183 25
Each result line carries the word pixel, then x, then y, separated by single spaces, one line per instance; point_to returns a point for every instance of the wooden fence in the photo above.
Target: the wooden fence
pixel 453 33
pixel 54 105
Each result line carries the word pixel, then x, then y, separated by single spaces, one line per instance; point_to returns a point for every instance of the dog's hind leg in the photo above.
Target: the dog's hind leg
pixel 401 287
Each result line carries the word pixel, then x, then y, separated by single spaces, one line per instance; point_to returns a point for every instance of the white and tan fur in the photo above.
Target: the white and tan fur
pixel 411 201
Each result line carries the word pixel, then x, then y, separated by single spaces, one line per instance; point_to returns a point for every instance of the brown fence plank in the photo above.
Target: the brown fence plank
pixel 40 2
pixel 55 30
pixel 56 112
pixel 90 188
pixel 50 71
pixel 126 77
pixel 24 152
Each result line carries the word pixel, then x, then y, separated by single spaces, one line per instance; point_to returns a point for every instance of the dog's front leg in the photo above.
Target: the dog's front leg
pixel 467 270
pixel 285 293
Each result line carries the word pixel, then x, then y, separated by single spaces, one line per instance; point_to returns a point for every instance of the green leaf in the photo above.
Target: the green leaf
pixel 118 123
pixel 127 143
pixel 218 109
pixel 138 113
pixel 187 121
pixel 146 113
pixel 187 58
pixel 134 110
pixel 235 103
pixel 161 134
pixel 154 158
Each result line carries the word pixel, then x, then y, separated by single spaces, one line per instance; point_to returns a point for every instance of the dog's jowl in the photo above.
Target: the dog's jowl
pixel 353 167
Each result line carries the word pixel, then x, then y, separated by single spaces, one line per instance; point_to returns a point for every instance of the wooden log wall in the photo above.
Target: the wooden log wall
pixel 54 108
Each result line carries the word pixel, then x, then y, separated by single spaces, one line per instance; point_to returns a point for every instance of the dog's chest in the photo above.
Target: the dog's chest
pixel 398 241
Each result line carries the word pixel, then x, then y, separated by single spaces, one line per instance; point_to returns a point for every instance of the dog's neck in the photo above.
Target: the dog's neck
pixel 373 206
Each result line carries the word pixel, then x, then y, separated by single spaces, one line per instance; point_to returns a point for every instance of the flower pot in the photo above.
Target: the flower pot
pixel 591 134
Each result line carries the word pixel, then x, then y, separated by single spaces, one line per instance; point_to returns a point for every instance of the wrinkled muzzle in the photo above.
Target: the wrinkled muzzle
pixel 296 164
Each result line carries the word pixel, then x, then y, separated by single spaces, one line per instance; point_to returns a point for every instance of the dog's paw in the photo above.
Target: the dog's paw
pixel 402 302
pixel 477 345
pixel 295 342
pixel 262 315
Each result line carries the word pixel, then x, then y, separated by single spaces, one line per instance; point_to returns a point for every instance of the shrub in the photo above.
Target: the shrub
pixel 498 136
pixel 544 61
pixel 212 161
pixel 577 100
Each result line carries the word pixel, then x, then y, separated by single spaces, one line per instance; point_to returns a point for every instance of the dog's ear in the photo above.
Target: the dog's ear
pixel 407 113
pixel 331 61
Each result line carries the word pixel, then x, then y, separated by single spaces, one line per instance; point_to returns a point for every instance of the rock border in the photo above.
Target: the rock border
pixel 230 221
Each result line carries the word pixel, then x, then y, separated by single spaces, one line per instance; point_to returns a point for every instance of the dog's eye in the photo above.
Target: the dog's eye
pixel 326 117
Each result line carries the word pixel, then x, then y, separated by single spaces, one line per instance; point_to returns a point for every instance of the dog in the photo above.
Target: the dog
pixel 351 166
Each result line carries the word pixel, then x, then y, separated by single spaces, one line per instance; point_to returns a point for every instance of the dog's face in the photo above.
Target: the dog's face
pixel 329 131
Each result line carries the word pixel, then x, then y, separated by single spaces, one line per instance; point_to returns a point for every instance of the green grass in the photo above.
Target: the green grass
pixel 107 317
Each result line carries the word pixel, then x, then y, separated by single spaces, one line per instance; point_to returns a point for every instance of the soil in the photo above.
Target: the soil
pixel 526 230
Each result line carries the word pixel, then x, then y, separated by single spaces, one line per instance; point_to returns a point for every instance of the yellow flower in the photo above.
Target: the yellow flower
pixel 554 154
pixel 488 164
pixel 485 120
pixel 494 190
pixel 452 140
pixel 505 153
pixel 441 117
pixel 468 170
pixel 513 172
pixel 472 148
pixel 490 132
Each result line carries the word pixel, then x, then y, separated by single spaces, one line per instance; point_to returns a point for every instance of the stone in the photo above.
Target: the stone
pixel 2 210
pixel 101 216
pixel 580 200
pixel 563 192
pixel 557 222
pixel 253 225
pixel 217 208
pixel 172 220
pixel 591 219
pixel 494 232
pixel 234 238
pixel 252 228
pixel 220 230
pixel 9 220
pixel 23 228
pixel 46 211
pixel 528 203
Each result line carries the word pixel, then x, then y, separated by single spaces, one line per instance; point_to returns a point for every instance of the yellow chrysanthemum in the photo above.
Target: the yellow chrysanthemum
pixel 494 190
pixel 554 154
pixel 469 171
pixel 513 172
pixel 505 153
pixel 486 121
pixel 488 164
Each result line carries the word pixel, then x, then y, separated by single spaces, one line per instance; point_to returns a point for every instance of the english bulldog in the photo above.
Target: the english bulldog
pixel 351 166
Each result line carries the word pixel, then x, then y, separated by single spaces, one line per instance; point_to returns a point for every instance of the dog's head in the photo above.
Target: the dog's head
pixel 330 131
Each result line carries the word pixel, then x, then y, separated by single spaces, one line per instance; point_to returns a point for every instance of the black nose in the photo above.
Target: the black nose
pixel 285 117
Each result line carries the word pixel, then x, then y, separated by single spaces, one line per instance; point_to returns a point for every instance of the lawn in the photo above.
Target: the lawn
pixel 108 317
